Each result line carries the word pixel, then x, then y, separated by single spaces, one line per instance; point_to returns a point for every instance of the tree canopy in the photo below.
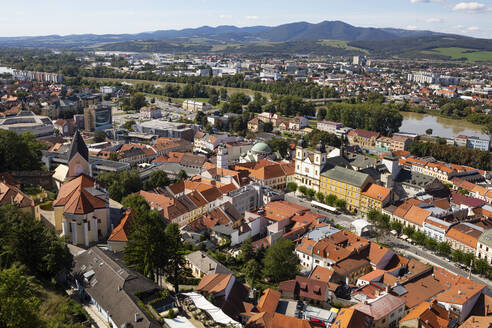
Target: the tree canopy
pixel 19 152
pixel 280 262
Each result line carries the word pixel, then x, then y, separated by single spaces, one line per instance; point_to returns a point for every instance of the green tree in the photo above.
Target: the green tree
pixel 409 231
pixel 430 243
pixel 99 136
pixel 443 248
pixel 397 226
pixel 303 190
pixel 201 118
pixel 182 176
pixel 267 127
pixel 19 304
pixel 280 145
pixel 247 251
pixel 223 94
pixel 147 249
pixel 292 186
pixel 128 125
pixel 157 179
pixel 175 249
pixel 213 99
pixel 138 101
pixel 136 203
pixel 341 204
pixel 373 216
pixel 321 114
pixel 320 197
pixel 113 157
pixel 25 240
pixel 457 256
pixel 428 132
pixel 121 184
pixel 252 272
pixel 419 237
pixel 19 152
pixel 330 199
pixel 280 262
pixel 310 193
pixel 481 266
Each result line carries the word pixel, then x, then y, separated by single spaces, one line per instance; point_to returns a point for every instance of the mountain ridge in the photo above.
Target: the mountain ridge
pixel 222 34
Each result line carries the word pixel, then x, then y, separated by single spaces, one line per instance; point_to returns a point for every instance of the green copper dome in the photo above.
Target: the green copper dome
pixel 261 147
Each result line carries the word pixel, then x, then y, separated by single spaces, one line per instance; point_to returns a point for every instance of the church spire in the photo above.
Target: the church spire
pixel 78 146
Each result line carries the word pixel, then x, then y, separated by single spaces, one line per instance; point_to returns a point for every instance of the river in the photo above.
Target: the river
pixel 442 127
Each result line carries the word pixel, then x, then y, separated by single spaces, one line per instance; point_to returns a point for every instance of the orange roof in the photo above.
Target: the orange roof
pixel 417 215
pixel 376 192
pixel 322 274
pixel 76 199
pixel 402 209
pixel 10 194
pixel 373 275
pixel 352 318
pixel 268 301
pixel 417 311
pixel 120 232
pixel 464 234
pixel 214 283
pixel 477 322
pixel 276 320
pixel 460 294
pixel 280 210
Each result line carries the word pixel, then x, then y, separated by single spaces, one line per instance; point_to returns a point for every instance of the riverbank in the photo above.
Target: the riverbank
pixel 441 126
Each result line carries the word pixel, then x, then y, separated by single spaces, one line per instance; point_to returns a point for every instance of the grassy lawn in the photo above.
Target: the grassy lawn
pixel 341 44
pixel 61 311
pixel 32 191
pixel 457 53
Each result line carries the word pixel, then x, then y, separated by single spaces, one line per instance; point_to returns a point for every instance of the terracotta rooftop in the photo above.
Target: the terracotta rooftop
pixel 121 231
pixel 380 307
pixel 268 301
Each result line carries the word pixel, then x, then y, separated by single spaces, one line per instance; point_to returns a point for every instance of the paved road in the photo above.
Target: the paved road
pixel 397 244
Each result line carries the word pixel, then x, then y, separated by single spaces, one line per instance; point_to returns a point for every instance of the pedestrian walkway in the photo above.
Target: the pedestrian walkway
pixel 99 321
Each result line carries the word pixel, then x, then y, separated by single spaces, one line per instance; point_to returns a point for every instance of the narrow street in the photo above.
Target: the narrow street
pixel 407 249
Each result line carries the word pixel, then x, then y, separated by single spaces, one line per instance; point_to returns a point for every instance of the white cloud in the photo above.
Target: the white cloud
pixel 411 27
pixel 459 26
pixel 473 28
pixel 433 20
pixel 470 6
pixel 225 16
pixel 419 1
pixel 252 17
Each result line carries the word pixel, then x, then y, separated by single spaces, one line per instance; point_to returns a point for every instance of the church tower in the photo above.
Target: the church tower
pixel 78 157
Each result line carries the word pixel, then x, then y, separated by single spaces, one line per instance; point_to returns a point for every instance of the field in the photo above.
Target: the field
pixel 459 53
pixel 341 45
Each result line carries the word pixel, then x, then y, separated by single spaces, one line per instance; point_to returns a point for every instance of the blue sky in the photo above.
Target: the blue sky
pixel 34 17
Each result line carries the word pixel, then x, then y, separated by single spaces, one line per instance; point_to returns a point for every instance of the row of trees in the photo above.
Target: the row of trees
pixel 330 199
pixel 383 222
pixel 452 154
pixel 373 116
pixel 301 89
